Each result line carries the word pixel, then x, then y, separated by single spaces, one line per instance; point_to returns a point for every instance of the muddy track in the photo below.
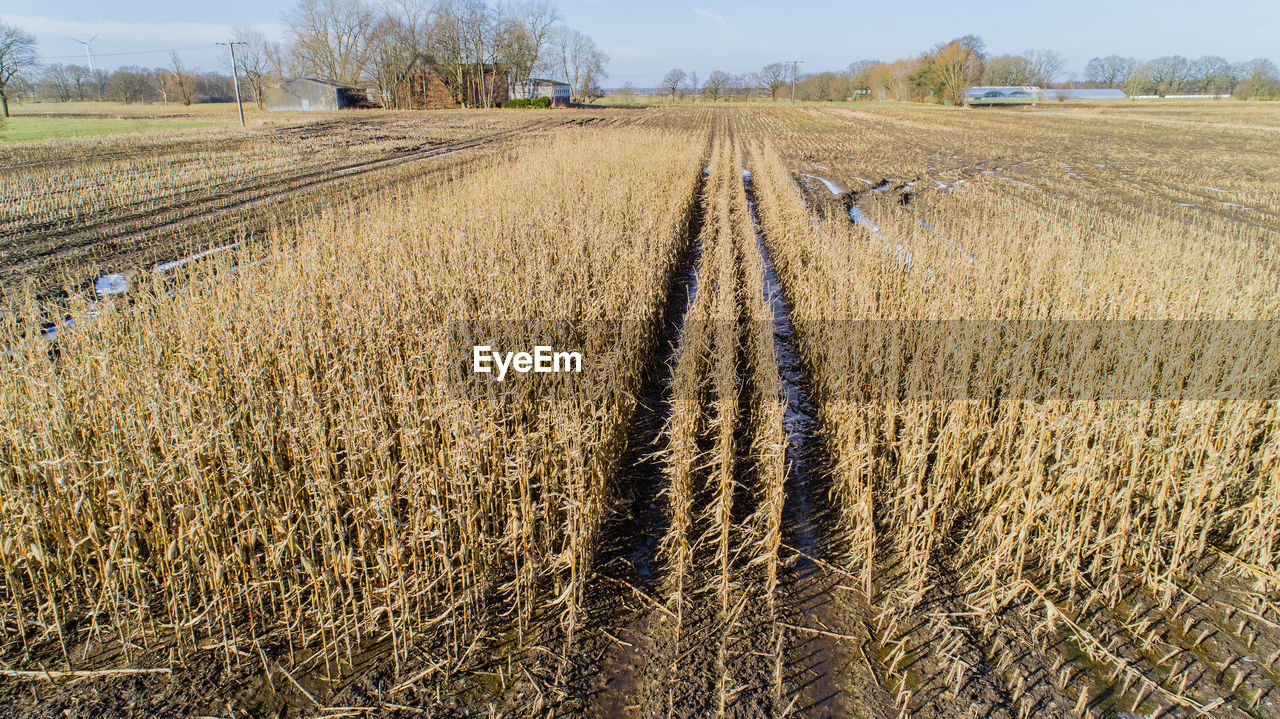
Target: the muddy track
pixel 831 676
pixel 143 223
pixel 1133 658
pixel 99 155
pixel 614 650
pixel 811 653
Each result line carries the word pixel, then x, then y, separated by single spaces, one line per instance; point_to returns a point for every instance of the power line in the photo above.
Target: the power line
pixel 124 54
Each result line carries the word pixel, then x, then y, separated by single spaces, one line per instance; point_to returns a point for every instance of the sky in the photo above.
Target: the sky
pixel 646 38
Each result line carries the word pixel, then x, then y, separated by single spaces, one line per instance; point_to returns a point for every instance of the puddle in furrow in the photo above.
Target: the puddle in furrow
pixel 644 472
pixel 798 419
pixel 1008 179
pixel 164 267
pixel 860 217
pixel 641 473
pixel 114 284
pixel 832 187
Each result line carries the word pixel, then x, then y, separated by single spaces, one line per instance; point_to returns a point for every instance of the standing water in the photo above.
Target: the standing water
pixel 798 419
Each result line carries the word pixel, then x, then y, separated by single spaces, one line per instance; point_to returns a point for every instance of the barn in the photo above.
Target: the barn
pixel 309 93
pixel 537 87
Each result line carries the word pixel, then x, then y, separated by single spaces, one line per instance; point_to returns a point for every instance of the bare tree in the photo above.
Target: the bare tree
pixel 1259 80
pixel 1211 74
pixel 55 82
pixel 479 33
pixel 257 58
pixel 530 27
pixel 672 82
pixel 1007 70
pixel 464 42
pixel 100 84
pixel 581 62
pixel 1167 73
pixel 1043 66
pixel 774 77
pixel 444 50
pixel 129 84
pixel 80 78
pixel 17 55
pixel 860 77
pixel 394 57
pixel 820 86
pixel 954 67
pixel 841 86
pixel 1111 71
pixel 1139 81
pixel 591 90
pixel 718 85
pixel 183 81
pixel 330 38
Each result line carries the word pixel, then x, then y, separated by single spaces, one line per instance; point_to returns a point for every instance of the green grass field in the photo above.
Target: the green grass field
pixel 49 120
pixel 21 129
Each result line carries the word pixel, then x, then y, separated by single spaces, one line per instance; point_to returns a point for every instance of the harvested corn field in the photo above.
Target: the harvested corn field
pixel 895 411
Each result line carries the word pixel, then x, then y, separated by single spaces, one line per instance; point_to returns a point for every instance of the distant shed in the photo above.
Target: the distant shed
pixel 537 87
pixel 1084 93
pixel 1030 95
pixel 998 95
pixel 312 94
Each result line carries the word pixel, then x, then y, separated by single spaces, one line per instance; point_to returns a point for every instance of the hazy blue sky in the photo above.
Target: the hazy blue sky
pixel 645 39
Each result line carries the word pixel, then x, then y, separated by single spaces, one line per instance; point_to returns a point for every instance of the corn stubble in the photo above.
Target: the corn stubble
pixel 726 447
pixel 1033 506
pixel 289 454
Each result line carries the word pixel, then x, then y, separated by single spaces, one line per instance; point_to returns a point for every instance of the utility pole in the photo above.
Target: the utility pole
pixel 793 78
pixel 235 76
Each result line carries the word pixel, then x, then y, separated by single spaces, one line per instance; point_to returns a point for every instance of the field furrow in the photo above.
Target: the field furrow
pixel 877 411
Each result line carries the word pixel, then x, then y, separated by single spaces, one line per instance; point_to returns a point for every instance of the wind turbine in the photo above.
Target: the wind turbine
pixel 88 49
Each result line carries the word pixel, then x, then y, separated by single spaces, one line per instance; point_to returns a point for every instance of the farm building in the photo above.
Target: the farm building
pixel 1084 94
pixel 309 93
pixel 537 87
pixel 1031 94
pixel 1002 95
pixel 427 90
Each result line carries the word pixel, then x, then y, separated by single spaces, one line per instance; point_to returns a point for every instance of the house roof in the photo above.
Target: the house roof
pixel 544 81
pixel 318 81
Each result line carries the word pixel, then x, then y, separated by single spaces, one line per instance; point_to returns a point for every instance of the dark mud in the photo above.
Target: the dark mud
pixel 825 641
pixel 615 652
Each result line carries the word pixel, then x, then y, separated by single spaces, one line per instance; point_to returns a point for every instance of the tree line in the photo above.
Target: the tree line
pixel 176 83
pixel 356 42
pixel 353 42
pixel 1174 75
pixel 946 72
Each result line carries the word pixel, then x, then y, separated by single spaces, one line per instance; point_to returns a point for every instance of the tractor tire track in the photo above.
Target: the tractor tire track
pixel 46 248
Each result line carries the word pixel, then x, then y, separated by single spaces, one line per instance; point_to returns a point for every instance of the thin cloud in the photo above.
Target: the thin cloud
pixel 707 13
pixel 130 35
